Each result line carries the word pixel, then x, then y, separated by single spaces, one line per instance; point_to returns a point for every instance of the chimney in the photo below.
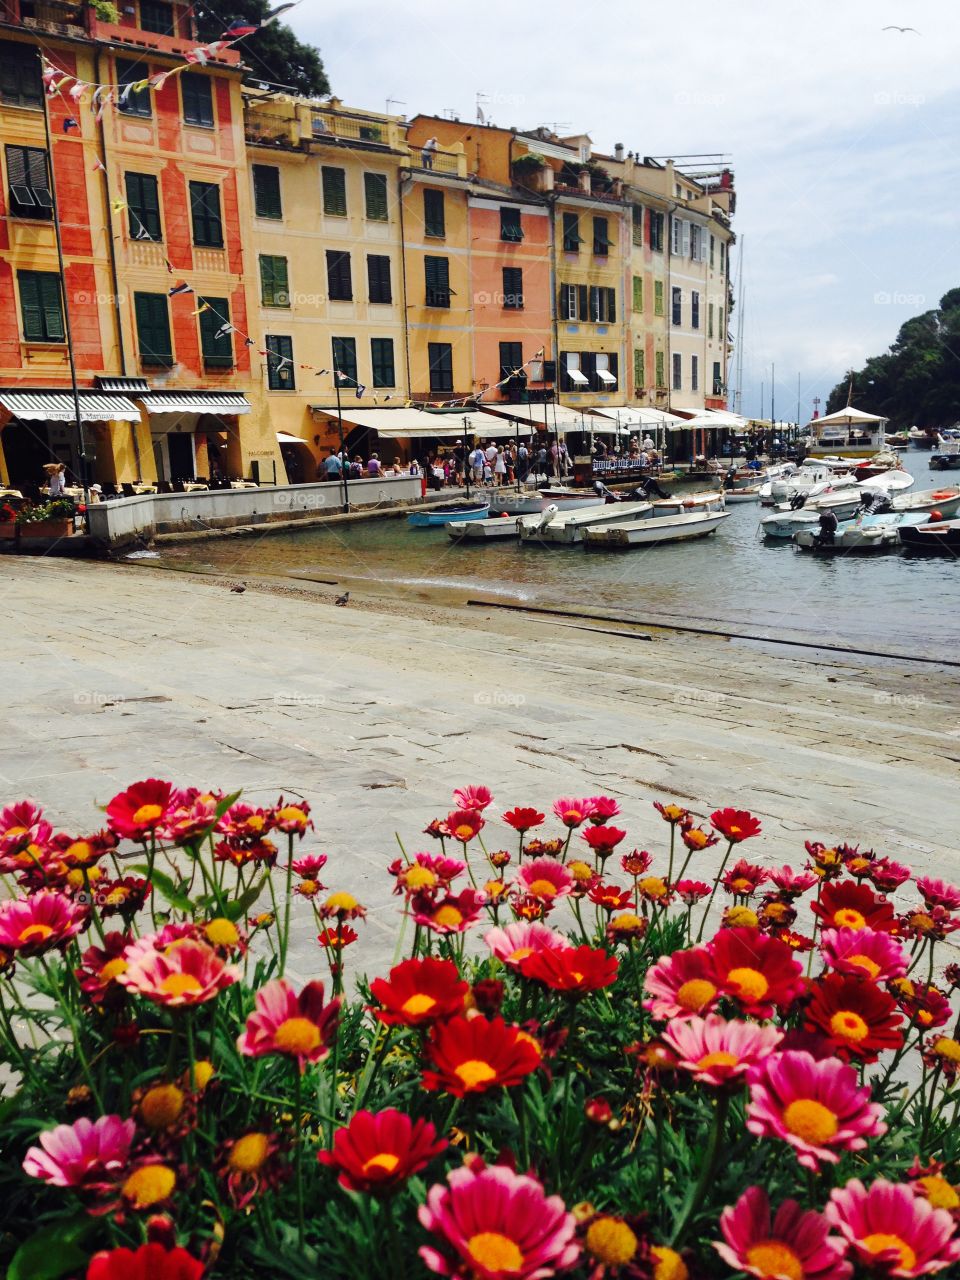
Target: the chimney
pixel 618 151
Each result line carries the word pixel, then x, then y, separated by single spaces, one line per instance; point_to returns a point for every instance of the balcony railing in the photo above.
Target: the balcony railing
pixel 439 161
pixel 58 17
pixel 294 125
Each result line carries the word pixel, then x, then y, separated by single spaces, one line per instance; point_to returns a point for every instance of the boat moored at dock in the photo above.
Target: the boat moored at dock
pixel 652 532
pixel 444 512
pixel 493 528
pixel 568 528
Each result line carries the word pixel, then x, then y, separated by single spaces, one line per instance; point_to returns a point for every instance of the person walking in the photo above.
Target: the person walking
pixel 523 463
pixel 499 469
pixel 373 466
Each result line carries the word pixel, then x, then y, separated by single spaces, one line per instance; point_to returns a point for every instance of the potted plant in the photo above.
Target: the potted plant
pixel 8 520
pixel 49 520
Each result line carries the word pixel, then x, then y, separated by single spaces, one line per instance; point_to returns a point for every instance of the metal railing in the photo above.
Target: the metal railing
pixel 286 124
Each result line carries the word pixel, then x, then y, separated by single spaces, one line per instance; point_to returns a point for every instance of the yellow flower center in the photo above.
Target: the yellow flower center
pixel 113 968
pixel 611 1242
pixel 418 877
pixel 848 918
pixel 35 933
pixel 255 822
pixel 297 1035
pixel 495 1252
pixel 463 832
pixel 847 1025
pixel 720 1058
pixel 667 1264
pixel 870 967
pixel 383 1160
pixel 580 870
pixel 810 1120
pixel 202 1074
pixel 308 887
pixel 147 814
pixel 920 920
pixel 249 1152
pixel 741 884
pixel 448 916
pixel 673 812
pixel 881 1242
pixel 695 994
pixel 342 902
pixel 742 918
pixel 626 922
pixel 222 933
pixel 473 1072
pixel 772 1258
pixel 418 1004
pixel 521 953
pixel 149 1185
pixel 542 889
pixel 748 984
pixel 653 886
pixel 161 1106
pixel 696 837
pixel 180 984
pixel 290 813
pixel 939 1192
pixel 945 1047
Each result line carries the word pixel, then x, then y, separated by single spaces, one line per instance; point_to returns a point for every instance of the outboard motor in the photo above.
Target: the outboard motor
pixel 548 515
pixel 650 488
pixel 607 494
pixel 797 501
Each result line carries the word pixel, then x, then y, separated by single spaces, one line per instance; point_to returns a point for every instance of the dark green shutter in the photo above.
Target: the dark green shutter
pixel 434 222
pixel 153 328
pixel 217 352
pixel 381 353
pixel 50 302
pixel 280 372
pixel 274 286
pixel 266 191
pixel 197 98
pixel 345 360
pixel 334 191
pixel 638 293
pixel 375 196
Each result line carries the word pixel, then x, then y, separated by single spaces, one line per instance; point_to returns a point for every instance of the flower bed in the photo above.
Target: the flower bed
pixel 572 1071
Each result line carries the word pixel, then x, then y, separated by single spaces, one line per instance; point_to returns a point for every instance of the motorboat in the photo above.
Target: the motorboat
pixel 514 502
pixel 893 481
pixel 653 532
pixel 945 459
pixel 570 499
pixel 847 433
pixel 897 439
pixel 684 504
pixel 866 533
pixel 749 494
pixel 568 527
pixel 946 501
pixel 810 479
pixel 920 438
pixel 502 526
pixel 444 512
pixel 944 535
pixel 885 460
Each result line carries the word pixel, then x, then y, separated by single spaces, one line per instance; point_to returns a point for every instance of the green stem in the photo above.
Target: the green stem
pixel 285 937
pixel 75 1030
pixel 713 891
pixel 298 1148
pixel 710 1156
pixel 371 1068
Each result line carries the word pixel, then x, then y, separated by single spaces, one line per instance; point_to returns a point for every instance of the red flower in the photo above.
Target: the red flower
pixel 696 838
pixel 610 896
pixel 377 1152
pixel 735 824
pixel 849 905
pixel 671 812
pixel 419 992
pixel 604 808
pixel 149 1262
pixel 858 1018
pixel 636 863
pixel 137 812
pixel 338 938
pixel 691 891
pixel 756 971
pixel 463 824
pixel 603 840
pixel 576 970
pixel 292 818
pixel 523 819
pixel 924 1005
pixel 743 879
pixel 472 1055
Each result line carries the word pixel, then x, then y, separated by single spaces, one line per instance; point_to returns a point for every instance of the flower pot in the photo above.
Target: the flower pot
pixel 46 529
pixel 8 529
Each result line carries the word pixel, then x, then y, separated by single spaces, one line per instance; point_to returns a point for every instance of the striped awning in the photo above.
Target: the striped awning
pixel 58 406
pixel 195 402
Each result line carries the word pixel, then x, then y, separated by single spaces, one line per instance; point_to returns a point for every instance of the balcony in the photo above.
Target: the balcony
pixel 300 126
pixel 128 36
pixel 52 17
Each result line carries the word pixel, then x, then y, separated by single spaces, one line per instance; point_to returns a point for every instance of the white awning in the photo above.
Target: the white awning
pixel 708 419
pixel 284 437
pixel 605 376
pixel 412 424
pixel 848 417
pixel 636 415
pixel 156 402
pixel 559 417
pixel 576 376
pixel 58 406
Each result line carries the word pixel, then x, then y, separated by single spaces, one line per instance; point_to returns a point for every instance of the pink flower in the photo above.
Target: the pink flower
pixel 938 893
pixel 815 1106
pixel 792 883
pixel 473 798
pixel 81 1154
pixel 517 941
pixel 445 869
pixel 797 1245
pixel 866 953
pixel 603 840
pixel 191 814
pixel 691 891
pixel 309 868
pixel 888 1225
pixel 604 808
pixel 24 836
pixel 452 914
pixel 571 812
pixel 887 875
pixel 30 926
pixel 463 824
pixel 716 1051
pixel 297 1026
pixel 544 879
pixel 494 1224
pixel 684 985
pixel 189 973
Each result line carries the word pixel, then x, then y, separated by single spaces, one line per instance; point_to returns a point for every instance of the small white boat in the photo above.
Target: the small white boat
pixel 568 527
pixel 684 504
pixel 812 478
pixel 515 502
pixel 481 530
pixel 946 501
pixel 867 533
pixel 893 481
pixel 570 499
pixel 653 532
pixel 750 494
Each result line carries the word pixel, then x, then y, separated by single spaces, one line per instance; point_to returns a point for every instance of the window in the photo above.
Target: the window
pixel 205 212
pixel 41 307
pixel 709 319
pixel 639 376
pixel 680 238
pixel 604 372
pixel 513 288
pixel 696 243
pixel 694 309
pixel 274 281
pixel 717 379
pixel 675 233
pixel 375 199
pixel 339 282
pixel 153 329
pixel 280 362
pixel 143 206
pixel 677 371
pixel 603 305
pixel 197 97
pixel 20 83
pixel 345 361
pixel 334 183
pixel 676 306
pixel 511 360
pixel 436 272
pixel 658 297
pixel 572 377
pixel 637 220
pixel 215 345
pixel 571 233
pixel 381 357
pixel 723 254
pixel 266 191
pixel 601 238
pixel 694 373
pixel 510 228
pixel 721 332
pixel 574 302
pixel 656 231
pixel 157 16
pixel 28 183
pixel 433 213
pixel 378 278
pixel 713 249
pixel 638 293
pixel 658 369
pixel 440 359
pixel 133 102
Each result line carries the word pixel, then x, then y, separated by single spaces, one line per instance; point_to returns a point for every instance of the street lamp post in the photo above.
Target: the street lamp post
pixel 344 460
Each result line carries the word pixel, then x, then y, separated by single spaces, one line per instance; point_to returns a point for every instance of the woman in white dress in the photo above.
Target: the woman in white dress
pixel 499 468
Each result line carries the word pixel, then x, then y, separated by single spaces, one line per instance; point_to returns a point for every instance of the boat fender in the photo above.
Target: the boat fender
pixel 940 495
pixel 936 516
pixel 688 502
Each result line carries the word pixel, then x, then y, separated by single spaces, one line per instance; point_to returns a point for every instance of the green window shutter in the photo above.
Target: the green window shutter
pixel 334 191
pixel 274 286
pixel 266 191
pixel 280 373
pixel 197 97
pixel 709 319
pixel 661 380
pixel 216 348
pixel 375 196
pixel 638 293
pixel 381 354
pixel 434 221
pixel 638 369
pixel 205 215
pixel 31 307
pixel 143 206
pixel 345 360
pixel 134 104
pixel 153 329
pixel 583 302
pixel 52 309
pixel 20 83
pixel 658 297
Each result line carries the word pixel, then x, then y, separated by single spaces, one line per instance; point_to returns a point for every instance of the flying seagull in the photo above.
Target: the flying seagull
pixel 903 30
pixel 342 600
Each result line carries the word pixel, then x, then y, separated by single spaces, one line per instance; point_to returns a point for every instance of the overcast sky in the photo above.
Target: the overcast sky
pixel 843 137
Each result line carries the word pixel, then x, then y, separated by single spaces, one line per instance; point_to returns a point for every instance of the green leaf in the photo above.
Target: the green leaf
pixel 51 1252
pixel 240 906
pixel 167 889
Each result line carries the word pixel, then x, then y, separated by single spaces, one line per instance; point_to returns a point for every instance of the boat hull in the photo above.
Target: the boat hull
pixel 869 534
pixel 944 461
pixel 570 499
pixel 443 515
pixel 943 536
pixel 691 503
pixel 653 532
pixel 496 527
pixel 569 528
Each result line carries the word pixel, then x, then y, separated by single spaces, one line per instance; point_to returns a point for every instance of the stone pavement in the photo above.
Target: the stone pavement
pixel 114 673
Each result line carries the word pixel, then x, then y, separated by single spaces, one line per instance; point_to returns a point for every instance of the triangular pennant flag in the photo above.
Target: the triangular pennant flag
pixel 142 233
pixel 204 306
pixel 181 287
pixel 98 165
pixel 224 331
pixel 69 124
pixel 198 56
pixel 118 205
pixel 249 342
pixel 274 14
pixel 169 265
pixel 360 390
pixel 78 90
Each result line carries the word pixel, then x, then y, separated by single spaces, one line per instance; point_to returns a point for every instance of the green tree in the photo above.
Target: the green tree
pixel 274 53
